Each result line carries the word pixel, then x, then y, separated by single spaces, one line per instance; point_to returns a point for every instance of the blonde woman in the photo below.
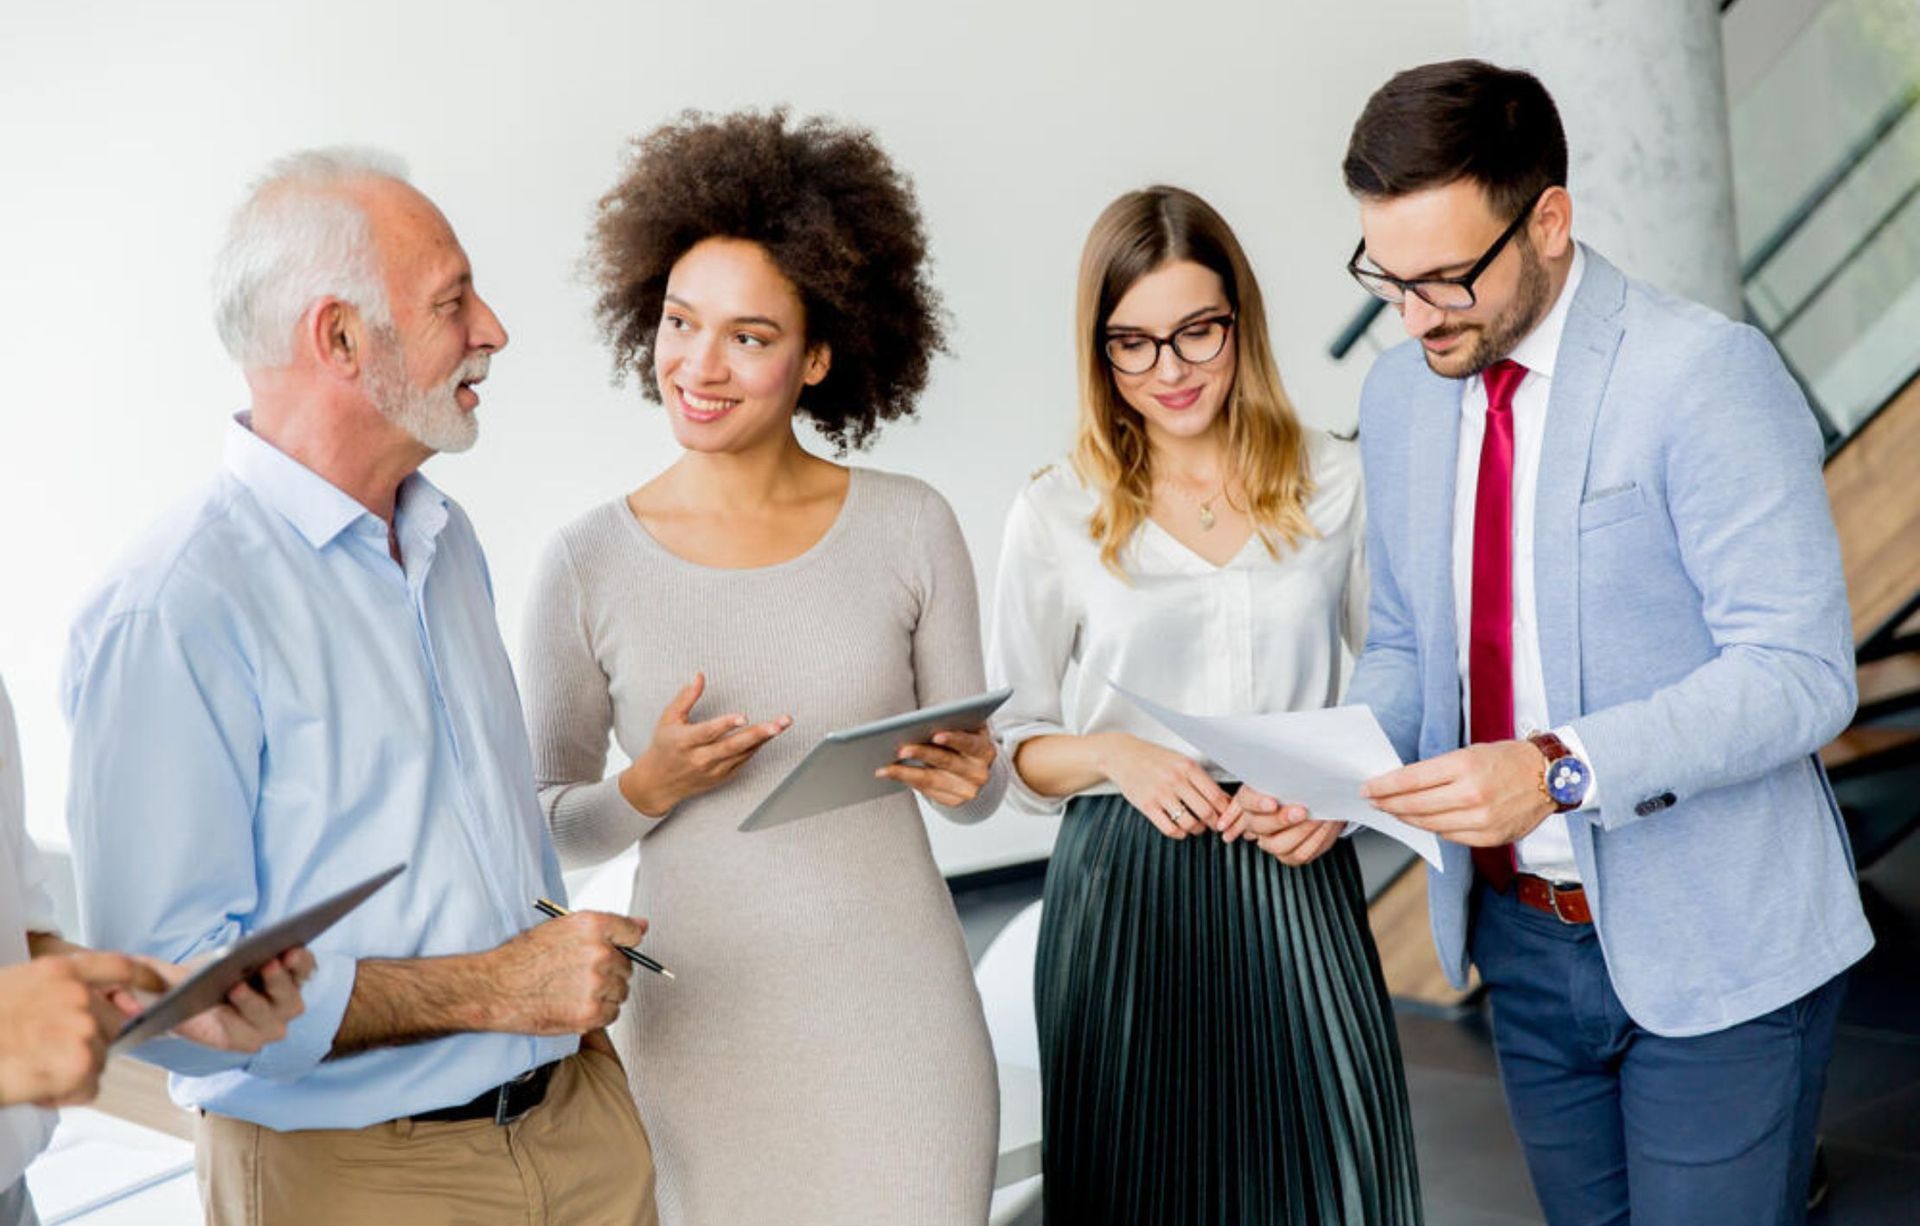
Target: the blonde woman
pixel 1216 1042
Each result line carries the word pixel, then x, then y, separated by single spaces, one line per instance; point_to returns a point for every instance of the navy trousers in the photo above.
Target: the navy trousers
pixel 1619 1124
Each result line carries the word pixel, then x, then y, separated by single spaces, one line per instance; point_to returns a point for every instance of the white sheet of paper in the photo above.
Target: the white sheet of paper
pixel 1314 758
pixel 100 1168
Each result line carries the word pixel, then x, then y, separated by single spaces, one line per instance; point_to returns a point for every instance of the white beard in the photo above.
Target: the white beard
pixel 432 415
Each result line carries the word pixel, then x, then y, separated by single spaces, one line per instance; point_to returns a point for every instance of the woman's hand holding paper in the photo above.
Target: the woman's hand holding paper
pixel 1288 833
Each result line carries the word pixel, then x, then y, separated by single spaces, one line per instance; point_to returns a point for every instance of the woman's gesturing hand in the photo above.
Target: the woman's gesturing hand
pixel 956 766
pixel 1177 796
pixel 686 758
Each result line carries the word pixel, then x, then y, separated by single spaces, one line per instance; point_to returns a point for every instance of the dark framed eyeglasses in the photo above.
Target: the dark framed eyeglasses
pixel 1442 293
pixel 1196 343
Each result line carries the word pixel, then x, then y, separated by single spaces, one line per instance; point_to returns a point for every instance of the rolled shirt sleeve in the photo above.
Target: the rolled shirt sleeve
pixel 166 769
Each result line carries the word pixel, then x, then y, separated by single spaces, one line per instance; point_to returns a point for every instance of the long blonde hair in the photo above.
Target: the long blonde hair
pixel 1266 451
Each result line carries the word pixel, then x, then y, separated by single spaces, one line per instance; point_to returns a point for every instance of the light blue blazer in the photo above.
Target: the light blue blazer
pixel 1694 631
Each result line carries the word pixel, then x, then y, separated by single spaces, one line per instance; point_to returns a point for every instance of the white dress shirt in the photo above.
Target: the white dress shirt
pixel 1258 634
pixel 1548 851
pixel 25 906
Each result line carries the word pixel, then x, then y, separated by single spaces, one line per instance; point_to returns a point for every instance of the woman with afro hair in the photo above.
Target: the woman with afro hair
pixel 822 1056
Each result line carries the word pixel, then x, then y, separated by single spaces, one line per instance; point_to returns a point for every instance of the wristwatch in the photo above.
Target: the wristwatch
pixel 1567 779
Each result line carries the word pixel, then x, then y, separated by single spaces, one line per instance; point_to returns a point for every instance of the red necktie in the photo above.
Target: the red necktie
pixel 1490 633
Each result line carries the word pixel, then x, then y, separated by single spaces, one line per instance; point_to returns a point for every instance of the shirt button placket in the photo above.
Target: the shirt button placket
pixel 1237 653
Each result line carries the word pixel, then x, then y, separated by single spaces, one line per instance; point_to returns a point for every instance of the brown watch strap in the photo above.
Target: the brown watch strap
pixel 1555 749
pixel 1551 745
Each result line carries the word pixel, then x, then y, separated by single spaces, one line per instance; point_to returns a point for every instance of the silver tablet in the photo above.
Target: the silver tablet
pixel 209 985
pixel 838 771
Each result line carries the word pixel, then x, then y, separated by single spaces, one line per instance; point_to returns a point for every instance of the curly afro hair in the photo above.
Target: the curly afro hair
pixel 833 212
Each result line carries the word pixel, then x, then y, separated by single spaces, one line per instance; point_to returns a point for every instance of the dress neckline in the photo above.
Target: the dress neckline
pixel 856 481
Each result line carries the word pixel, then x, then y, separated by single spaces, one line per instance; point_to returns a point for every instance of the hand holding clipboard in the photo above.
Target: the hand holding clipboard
pixel 269 953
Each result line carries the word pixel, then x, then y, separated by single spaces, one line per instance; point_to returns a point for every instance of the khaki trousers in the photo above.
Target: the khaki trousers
pixel 580 1157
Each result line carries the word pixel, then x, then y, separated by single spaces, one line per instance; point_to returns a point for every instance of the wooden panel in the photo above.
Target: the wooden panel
pixel 1874 486
pixel 137 1093
pixel 1400 929
pixel 1892 677
pixel 1857 743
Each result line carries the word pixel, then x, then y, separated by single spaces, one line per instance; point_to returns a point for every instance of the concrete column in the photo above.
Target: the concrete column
pixel 1641 88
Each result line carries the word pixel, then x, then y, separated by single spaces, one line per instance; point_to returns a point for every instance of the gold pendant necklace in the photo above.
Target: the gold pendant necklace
pixel 1204 506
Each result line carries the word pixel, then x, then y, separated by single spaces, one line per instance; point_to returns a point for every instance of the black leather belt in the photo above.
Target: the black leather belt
pixel 503 1104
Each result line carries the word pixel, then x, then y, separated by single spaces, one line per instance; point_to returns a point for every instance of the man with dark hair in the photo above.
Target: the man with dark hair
pixel 1598 509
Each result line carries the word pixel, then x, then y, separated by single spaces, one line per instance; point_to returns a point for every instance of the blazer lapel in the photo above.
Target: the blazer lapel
pixel 1587 349
pixel 1435 430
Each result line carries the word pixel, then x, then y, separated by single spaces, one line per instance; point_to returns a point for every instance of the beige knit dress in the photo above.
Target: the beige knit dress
pixel 821 1056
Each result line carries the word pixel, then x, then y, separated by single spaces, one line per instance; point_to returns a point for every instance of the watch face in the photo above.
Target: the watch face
pixel 1567 781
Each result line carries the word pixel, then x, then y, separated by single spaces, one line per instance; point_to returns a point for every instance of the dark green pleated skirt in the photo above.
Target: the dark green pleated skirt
pixel 1216 1045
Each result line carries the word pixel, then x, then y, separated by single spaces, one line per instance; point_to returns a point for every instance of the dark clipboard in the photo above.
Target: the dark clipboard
pixel 209 985
pixel 838 771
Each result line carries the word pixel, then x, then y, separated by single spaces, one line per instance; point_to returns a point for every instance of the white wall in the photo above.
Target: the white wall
pixel 128 130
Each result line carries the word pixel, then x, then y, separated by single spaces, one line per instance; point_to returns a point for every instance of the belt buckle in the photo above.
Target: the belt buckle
pixel 1553 896
pixel 503 1114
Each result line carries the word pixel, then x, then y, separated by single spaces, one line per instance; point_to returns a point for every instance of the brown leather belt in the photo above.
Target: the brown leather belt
pixel 1566 903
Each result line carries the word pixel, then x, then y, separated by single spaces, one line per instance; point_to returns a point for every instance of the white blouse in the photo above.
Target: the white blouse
pixel 1256 635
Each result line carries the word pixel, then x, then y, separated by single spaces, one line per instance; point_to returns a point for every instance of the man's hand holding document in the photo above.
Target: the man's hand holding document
pixel 1315 759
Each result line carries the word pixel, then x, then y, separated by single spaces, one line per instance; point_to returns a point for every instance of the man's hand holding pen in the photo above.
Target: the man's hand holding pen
pixel 565 976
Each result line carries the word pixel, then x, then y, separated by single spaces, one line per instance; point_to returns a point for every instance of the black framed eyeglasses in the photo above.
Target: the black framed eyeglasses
pixel 1441 293
pixel 1195 343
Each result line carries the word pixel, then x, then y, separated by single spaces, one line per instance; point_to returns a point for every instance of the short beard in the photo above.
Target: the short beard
pixel 1497 337
pixel 431 416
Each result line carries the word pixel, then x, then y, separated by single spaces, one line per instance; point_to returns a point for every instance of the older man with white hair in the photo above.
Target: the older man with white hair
pixel 297 680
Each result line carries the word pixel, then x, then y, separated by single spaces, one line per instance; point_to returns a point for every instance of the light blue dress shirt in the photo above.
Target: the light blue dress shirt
pixel 266 708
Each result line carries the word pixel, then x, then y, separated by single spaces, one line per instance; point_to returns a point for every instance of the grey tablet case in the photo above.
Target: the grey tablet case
pixel 209 985
pixel 838 771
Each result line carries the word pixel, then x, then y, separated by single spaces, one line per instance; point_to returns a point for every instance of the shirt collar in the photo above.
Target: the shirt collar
pixel 317 508
pixel 420 511
pixel 1538 349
